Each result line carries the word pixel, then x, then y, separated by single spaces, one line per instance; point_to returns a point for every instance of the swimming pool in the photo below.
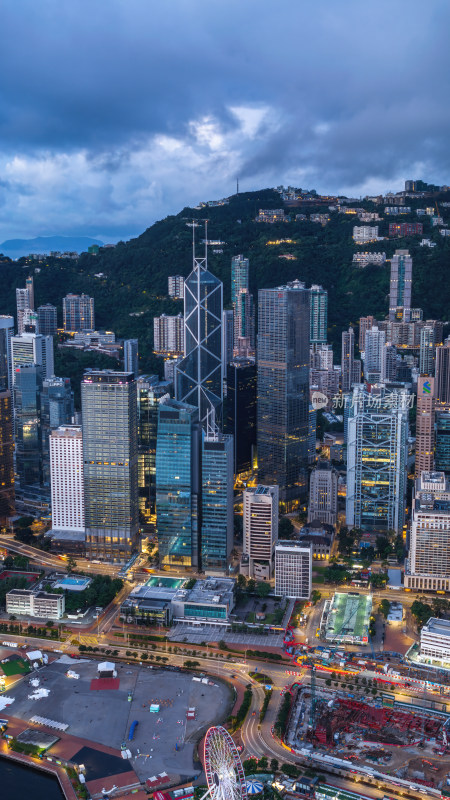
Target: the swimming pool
pixel 75 584
pixel 168 583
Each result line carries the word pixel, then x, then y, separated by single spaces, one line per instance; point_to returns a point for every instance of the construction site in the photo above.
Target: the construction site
pixel 410 742
pixel 345 618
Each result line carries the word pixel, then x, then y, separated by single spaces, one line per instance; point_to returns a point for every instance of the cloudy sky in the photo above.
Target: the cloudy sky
pixel 115 113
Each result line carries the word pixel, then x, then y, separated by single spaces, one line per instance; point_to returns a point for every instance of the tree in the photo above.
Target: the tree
pixel 251 585
pixel 315 597
pixel 384 607
pixel 71 564
pixel 285 528
pixel 263 763
pixel 273 765
pixel 8 562
pixel 21 562
pixel 383 546
pixel 263 589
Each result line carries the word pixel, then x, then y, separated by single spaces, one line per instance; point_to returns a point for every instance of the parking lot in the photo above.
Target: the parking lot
pixel 196 634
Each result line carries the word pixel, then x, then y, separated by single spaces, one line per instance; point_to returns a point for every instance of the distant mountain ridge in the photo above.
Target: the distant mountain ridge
pixel 16 248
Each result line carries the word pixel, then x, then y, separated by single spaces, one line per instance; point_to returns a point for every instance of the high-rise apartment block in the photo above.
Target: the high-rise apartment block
pixel 240 412
pixel 178 483
pixel 47 321
pixel 168 335
pixel 318 314
pixel 216 541
pixel 428 564
pixel 365 324
pixel 110 452
pixel 78 313
pixel 425 426
pixel 293 569
pixel 260 529
pixel 362 234
pixel 67 481
pixel 6 457
pixel 405 229
pixel 377 451
pixel 400 286
pixel 199 378
pixel 176 286
pixel 6 334
pixel 347 359
pixel 283 389
pixel 131 356
pixel 323 494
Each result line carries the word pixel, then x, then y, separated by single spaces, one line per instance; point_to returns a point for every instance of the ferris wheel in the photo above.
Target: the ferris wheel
pixel 223 767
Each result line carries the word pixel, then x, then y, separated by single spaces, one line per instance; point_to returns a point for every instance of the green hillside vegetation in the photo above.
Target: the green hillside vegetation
pixel 137 271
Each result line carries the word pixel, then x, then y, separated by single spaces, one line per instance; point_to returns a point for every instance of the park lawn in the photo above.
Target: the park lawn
pixel 15 667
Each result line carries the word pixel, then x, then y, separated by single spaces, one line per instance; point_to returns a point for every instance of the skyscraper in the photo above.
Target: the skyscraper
pixel 56 410
pixel 199 379
pixel 6 457
pixel 427 350
pixel 365 324
pixel 260 529
pixel 283 389
pixel 78 313
pixel 131 356
pixel 347 359
pixel 424 426
pixel 239 276
pixel 29 283
pixel 150 390
pixel 27 403
pixel 242 302
pixel 240 414
pixel 400 286
pixel 32 348
pixel 109 408
pixel 323 494
pixel 377 452
pixel 227 338
pixel 442 375
pixel 374 355
pixel 23 301
pixel 176 286
pixel 6 334
pixel 442 435
pixel 319 314
pixel 67 484
pixel 428 563
pixel 47 323
pixel 217 500
pixel 178 483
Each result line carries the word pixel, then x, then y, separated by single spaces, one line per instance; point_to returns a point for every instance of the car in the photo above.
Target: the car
pixel 253 713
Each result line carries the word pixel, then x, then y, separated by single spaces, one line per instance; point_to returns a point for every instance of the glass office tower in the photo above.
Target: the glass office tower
pixel 319 315
pixel 199 379
pixel 377 455
pixel 240 417
pixel 283 390
pixel 109 407
pixel 217 501
pixel 56 409
pixel 178 483
pixel 150 390
pixel 27 402
pixel 442 454
pixel 6 334
pixel 6 457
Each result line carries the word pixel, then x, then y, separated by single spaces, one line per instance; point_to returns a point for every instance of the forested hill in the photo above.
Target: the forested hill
pixel 136 272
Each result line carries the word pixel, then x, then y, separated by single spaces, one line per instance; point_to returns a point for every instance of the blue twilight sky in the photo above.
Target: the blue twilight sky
pixel 115 113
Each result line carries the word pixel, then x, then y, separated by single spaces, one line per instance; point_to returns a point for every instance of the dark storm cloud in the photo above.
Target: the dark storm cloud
pixel 116 113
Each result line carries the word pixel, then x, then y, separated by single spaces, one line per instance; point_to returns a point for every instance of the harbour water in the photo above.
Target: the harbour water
pixel 18 782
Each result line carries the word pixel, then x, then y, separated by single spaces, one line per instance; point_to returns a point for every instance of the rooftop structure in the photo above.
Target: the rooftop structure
pixel 346 618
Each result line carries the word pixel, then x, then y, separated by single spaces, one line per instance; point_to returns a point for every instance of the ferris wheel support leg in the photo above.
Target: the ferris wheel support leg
pixel 208 792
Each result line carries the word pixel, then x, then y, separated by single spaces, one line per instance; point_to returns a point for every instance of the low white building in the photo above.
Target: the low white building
pixel 293 569
pixel 35 604
pixel 435 640
pixel 365 233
